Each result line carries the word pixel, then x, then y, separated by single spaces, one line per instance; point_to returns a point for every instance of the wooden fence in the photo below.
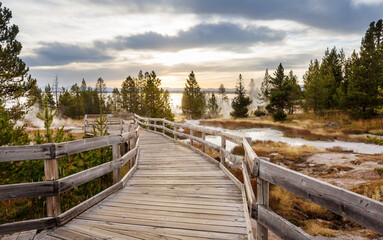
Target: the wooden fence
pixel 360 209
pixel 53 186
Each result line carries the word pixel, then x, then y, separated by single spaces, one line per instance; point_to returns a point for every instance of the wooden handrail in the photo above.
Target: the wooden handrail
pixel 358 208
pixel 52 188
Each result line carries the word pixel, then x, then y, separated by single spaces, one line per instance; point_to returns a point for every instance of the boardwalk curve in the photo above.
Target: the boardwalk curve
pixel 175 193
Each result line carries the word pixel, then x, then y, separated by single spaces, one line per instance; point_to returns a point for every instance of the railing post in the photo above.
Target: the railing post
pixel 155 125
pixel 191 140
pixel 262 200
pixel 174 131
pixel 223 145
pixel 85 123
pixel 163 126
pixel 203 138
pixel 132 143
pixel 52 173
pixel 121 126
pixel 116 155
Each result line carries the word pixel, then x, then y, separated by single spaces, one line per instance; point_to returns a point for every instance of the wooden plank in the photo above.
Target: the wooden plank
pixel 67 234
pixel 169 218
pixel 19 153
pixel 51 170
pixel 175 208
pixel 262 201
pixel 159 230
pixel 157 223
pixel 27 235
pixel 248 188
pixel 252 158
pixel 85 176
pixel 279 226
pixel 362 210
pixel 25 190
pixel 42 223
pixel 198 215
pixel 232 158
pixel 116 155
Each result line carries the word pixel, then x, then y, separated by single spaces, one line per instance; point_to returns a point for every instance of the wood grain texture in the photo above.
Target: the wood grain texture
pixel 177 202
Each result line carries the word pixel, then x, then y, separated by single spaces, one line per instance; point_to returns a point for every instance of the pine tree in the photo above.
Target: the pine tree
pixel 213 110
pixel 365 75
pixel 48 119
pixel 241 102
pixel 49 96
pixel 13 70
pixel 280 90
pixel 315 93
pixel 332 73
pixel 193 100
pixel 222 94
pixel 116 100
pixel 295 94
pixel 35 95
pixel 264 95
pixel 101 90
pixel 130 95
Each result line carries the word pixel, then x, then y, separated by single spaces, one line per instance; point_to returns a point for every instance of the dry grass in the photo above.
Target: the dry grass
pixel 372 189
pixel 316 228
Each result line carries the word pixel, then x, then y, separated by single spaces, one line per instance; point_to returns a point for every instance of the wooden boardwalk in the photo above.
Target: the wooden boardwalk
pixel 175 193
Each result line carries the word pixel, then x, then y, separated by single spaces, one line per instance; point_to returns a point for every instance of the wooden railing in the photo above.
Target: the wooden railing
pixel 53 186
pixel 360 209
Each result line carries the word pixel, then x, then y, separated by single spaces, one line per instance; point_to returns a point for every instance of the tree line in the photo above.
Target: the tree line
pixel 353 85
pixel 141 95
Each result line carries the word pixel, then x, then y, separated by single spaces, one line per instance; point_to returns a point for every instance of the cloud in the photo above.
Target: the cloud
pixel 339 15
pixel 222 35
pixel 55 53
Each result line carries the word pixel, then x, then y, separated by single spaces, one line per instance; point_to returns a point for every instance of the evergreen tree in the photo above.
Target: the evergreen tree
pixel 315 92
pixel 241 102
pixel 295 94
pixel 222 94
pixel 49 96
pixel 193 99
pixel 130 95
pixel 264 95
pixel 48 119
pixel 35 95
pixel 332 73
pixel 365 75
pixel 167 111
pixel 213 110
pixel 13 70
pixel 101 90
pixel 280 90
pixel 116 100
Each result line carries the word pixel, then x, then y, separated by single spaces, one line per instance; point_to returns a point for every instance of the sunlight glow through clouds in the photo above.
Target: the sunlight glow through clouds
pixel 115 38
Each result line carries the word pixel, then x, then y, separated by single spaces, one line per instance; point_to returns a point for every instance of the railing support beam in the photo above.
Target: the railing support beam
pixel 223 145
pixel 191 140
pixel 52 173
pixel 203 138
pixel 116 155
pixel 262 200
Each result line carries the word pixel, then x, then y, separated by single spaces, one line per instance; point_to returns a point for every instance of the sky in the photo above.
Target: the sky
pixel 217 39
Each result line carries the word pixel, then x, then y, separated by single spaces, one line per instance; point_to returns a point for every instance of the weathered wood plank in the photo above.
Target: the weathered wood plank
pixel 363 210
pixel 85 176
pixel 42 223
pixel 279 226
pixel 19 153
pixel 25 190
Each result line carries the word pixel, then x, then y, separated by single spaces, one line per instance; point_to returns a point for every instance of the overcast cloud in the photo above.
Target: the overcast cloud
pixel 218 39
